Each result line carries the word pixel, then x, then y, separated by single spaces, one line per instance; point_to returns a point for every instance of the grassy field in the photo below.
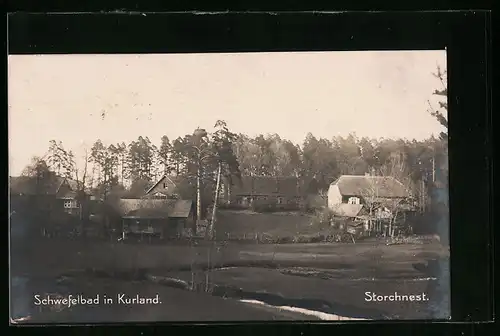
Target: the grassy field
pixel 277 225
pixel 296 274
pixel 56 256
pixel 328 277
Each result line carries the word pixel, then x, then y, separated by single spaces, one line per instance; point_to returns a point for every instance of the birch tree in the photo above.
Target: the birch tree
pixel 396 168
pixel 371 198
pixel 198 152
pixel 227 164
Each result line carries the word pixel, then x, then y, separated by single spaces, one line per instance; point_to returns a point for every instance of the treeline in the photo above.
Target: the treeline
pixel 200 157
pixel 320 161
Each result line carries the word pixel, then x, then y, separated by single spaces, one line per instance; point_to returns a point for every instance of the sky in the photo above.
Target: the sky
pixel 62 97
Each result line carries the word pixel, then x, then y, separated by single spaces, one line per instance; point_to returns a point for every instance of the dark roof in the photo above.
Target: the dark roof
pixel 181 209
pixel 68 194
pixel 147 213
pixel 27 185
pixel 379 186
pixel 22 185
pixel 174 208
pixel 266 185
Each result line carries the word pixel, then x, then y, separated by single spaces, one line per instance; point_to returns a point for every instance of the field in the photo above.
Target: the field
pixel 224 281
pixel 238 223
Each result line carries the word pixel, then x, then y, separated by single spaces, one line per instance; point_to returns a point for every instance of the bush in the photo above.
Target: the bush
pixel 323 217
pixel 232 206
pixel 315 202
pixel 259 207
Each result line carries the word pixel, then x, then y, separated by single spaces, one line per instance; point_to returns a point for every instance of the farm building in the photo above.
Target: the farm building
pixel 367 197
pixel 279 192
pixel 164 188
pixel 56 194
pixel 156 217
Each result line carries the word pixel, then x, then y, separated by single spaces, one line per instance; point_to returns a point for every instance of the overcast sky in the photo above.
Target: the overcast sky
pixel 375 94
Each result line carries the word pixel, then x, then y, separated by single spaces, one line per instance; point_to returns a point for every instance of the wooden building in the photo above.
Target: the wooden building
pixel 277 192
pixel 374 200
pixel 164 218
pixel 57 194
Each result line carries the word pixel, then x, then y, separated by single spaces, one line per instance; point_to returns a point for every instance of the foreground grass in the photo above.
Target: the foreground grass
pixel 55 256
pixel 344 294
pixel 240 223
pixel 286 270
pixel 175 305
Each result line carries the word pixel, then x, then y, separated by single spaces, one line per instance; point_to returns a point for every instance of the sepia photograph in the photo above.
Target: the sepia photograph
pixel 223 187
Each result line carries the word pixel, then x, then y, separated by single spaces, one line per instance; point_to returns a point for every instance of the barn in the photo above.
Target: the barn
pixel 164 218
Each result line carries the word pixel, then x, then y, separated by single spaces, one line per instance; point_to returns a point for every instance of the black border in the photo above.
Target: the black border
pixel 465 35
pixel 239 5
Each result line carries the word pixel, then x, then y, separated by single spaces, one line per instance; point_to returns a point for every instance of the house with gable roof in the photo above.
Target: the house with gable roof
pixel 278 192
pixel 353 196
pixel 54 194
pixel 158 211
pixel 160 217
pixel 164 188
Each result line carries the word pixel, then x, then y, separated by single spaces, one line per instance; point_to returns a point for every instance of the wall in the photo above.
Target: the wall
pixel 155 225
pixel 259 202
pixel 189 222
pixel 334 196
pixel 169 190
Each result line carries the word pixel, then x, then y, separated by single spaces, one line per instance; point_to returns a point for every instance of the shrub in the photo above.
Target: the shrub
pixel 263 207
pixel 323 217
pixel 315 202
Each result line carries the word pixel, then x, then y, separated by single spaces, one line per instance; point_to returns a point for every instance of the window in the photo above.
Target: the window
pixel 165 185
pixel 280 200
pixel 353 200
pixel 70 204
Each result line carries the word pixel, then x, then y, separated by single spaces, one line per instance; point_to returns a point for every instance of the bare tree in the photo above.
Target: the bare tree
pixel 227 164
pixel 81 177
pixel 370 196
pixel 397 169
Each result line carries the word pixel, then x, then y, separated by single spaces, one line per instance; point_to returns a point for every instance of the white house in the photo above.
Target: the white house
pixel 365 191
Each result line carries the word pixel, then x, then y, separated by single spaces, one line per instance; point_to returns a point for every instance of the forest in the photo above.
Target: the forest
pixel 126 169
